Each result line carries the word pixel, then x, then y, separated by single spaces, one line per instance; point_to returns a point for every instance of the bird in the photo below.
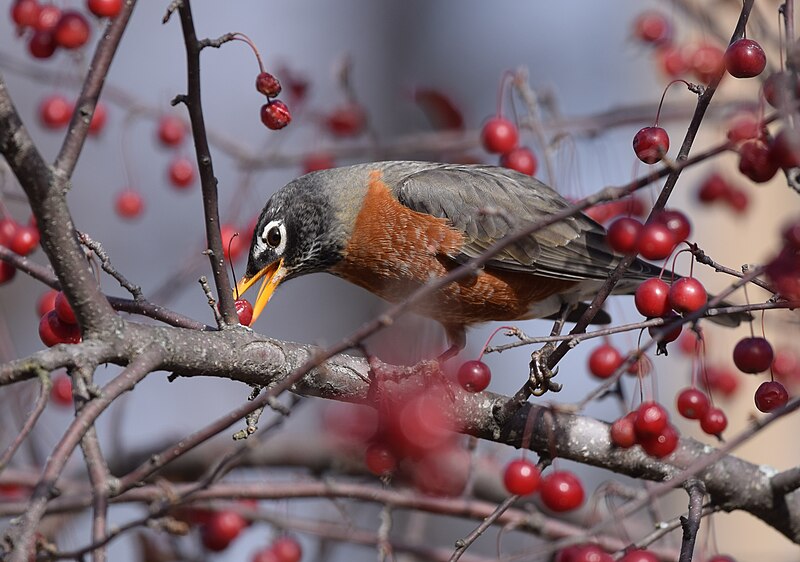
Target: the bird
pixel 391 227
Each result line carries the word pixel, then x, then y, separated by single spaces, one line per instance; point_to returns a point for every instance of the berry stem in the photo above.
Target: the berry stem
pixel 238 36
pixel 493 334
pixel 664 94
pixel 501 90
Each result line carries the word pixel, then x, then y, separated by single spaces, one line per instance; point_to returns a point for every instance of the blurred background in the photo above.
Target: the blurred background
pixel 597 85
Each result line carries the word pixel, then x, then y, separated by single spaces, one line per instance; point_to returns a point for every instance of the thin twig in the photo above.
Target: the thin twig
pixel 105 263
pixel 691 523
pixel 41 401
pixel 463 544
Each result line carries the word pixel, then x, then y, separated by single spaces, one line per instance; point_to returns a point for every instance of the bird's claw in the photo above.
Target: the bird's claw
pixel 540 374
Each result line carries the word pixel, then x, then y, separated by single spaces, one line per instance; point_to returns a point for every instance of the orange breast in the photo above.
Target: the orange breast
pixel 394 250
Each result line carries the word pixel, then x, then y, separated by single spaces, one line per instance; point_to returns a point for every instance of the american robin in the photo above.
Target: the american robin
pixel 390 227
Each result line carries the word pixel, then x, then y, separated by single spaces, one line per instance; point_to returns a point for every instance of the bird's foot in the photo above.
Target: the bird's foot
pixel 541 375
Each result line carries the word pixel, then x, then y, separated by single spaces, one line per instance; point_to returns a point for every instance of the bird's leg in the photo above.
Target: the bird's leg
pixel 457 338
pixel 541 374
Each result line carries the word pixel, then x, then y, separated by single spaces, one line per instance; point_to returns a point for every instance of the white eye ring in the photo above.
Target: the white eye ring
pixel 274 236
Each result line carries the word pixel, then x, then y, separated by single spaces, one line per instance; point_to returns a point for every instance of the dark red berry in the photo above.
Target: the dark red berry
pixel 99 118
pixel 287 549
pixel 745 59
pixel 520 159
pixel 25 13
pixel 604 361
pixel 652 27
pixel 622 432
pixel 64 310
pixel 656 241
pixel 714 187
pixel 348 120
pixel 720 379
pixel 521 477
pixel 714 422
pixel 770 395
pixel 651 298
pixel 785 148
pixel 746 126
pixel 670 336
pixel 676 222
pixel 661 444
pixel 753 355
pixel 104 8
pixel 221 529
pixel 639 556
pixel 275 115
pixel 692 403
pixel 53 331
pixel 784 273
pixel 129 204
pixel 561 491
pixel 61 392
pixel 379 459
pixel 49 16
pixel 244 310
pixel 651 419
pixel 42 45
pixel 707 62
pixel 181 172
pixel 474 376
pixel 46 302
pixel 623 235
pixel 268 85
pixel 171 130
pixel 651 144
pixel 737 199
pixel 72 30
pixel 756 162
pixel 499 135
pixel 778 89
pixel 687 295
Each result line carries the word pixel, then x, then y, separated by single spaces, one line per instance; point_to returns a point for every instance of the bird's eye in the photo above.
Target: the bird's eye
pixel 274 237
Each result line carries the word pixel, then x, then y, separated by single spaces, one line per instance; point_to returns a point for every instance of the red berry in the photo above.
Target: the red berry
pixel 676 222
pixel 221 529
pixel 287 549
pixel 264 555
pixel 520 159
pixel 713 188
pixel 784 273
pixel 771 395
pixel 171 130
pixel 756 162
pixel 714 422
pixel 786 364
pixel 591 553
pixel 25 240
pixel 656 241
pixel 64 310
pixel 379 459
pixel 673 61
pixel 521 477
pixel 719 379
pixel 778 89
pixel 652 27
pixel 49 16
pixel 785 148
pixel 53 331
pixel 275 115
pixel 318 161
pixel 568 554
pixel 72 30
pixel 8 230
pixel 104 8
pixel 623 235
pixel 46 302
pixel 746 126
pixel 660 444
pixel 129 204
pixel 7 272
pixel 604 361
pixel 181 172
pixel 55 112
pixel 692 403
pixel 99 118
pixel 474 376
pixel 670 336
pixel 622 433
pixel 687 295
pixel 244 310
pixel 707 61
pixel 737 199
pixel 268 85
pixel 753 355
pixel 651 298
pixel 42 45
pixel 651 419
pixel 348 120
pixel 745 59
pixel 499 135
pixel 561 491
pixel 639 556
pixel 25 13
pixel 61 392
pixel 651 144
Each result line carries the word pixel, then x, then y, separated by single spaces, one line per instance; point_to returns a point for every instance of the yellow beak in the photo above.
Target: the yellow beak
pixel 273 274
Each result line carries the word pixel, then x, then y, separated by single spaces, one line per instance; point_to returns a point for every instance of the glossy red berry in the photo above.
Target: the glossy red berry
pixel 687 295
pixel 692 403
pixel 604 361
pixel 99 118
pixel 623 235
pixel 591 553
pixel 275 114
pixel 61 392
pixel 181 172
pixel 49 16
pixel 25 240
pixel 707 61
pixel 520 159
pixel 104 8
pixel 661 444
pixel 63 309
pixel 651 144
pixel 244 310
pixel 652 27
pixel 46 302
pixel 129 204
pixel 171 130
pixel 474 376
pixel 521 477
pixel 25 13
pixel 676 222
pixel 287 549
pixel 561 491
pixel 55 112
pixel 770 395
pixel 221 529
pixel 265 555
pixel 499 135
pixel 53 331
pixel 348 120
pixel 651 298
pixel 651 419
pixel 745 59
pixel 72 30
pixel 656 241
pixel 268 85
pixel 639 556
pixel 753 355
pixel 756 162
pixel 714 422
pixel 622 432
pixel 7 272
pixel 379 459
pixel 42 45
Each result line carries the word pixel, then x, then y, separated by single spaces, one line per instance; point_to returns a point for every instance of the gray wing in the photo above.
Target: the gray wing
pixel 487 203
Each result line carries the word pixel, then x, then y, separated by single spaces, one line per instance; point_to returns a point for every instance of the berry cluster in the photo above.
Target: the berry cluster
pixel 58 324
pixel 647 426
pixel 591 552
pixel 716 189
pixel 21 239
pixel 559 491
pixel 653 241
pixel 500 136
pixel 55 113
